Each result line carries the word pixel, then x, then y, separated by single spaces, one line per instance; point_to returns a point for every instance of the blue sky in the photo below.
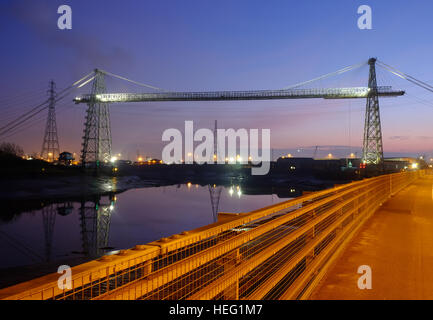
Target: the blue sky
pixel 220 45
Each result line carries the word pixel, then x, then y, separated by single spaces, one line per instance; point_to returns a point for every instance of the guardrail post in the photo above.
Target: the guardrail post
pixel 390 185
pixel 232 291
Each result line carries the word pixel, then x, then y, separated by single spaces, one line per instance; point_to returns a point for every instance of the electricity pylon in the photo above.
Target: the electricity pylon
pixel 214 191
pixel 49 219
pixel 50 145
pixel 372 152
pixel 97 132
pixel 215 195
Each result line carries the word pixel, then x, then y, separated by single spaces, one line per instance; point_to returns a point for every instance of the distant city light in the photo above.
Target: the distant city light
pixel 231 191
pixel 113 159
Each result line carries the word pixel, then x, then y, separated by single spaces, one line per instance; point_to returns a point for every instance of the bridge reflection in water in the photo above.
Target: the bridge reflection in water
pixel 278 252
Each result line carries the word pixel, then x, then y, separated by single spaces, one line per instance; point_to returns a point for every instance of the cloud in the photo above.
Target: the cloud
pixel 41 19
pixel 401 138
pixel 424 137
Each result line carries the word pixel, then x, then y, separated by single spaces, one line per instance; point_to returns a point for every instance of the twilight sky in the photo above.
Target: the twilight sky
pixel 219 45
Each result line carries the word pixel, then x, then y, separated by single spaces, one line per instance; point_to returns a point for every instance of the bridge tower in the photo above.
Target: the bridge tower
pixel 95 226
pixel 97 132
pixel 372 152
pixel 50 145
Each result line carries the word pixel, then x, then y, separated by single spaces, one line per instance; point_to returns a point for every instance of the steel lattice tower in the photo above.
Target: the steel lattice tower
pixel 49 219
pixel 95 226
pixel 215 195
pixel 50 146
pixel 372 152
pixel 97 132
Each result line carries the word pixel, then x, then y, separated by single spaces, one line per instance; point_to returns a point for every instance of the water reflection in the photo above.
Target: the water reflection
pixel 95 218
pixel 215 196
pixel 91 226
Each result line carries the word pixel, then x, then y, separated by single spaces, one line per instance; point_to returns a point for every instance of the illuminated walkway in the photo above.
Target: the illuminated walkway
pixel 397 243
pixel 276 252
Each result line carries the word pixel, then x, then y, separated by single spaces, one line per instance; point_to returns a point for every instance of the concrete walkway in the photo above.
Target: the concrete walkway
pixel 397 243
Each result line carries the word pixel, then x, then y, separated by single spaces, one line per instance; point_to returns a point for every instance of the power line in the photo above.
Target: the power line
pixel 34 111
pixel 31 123
pixel 6 129
pixel 9 127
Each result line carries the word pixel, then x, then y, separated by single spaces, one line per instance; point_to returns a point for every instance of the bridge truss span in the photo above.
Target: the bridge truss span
pixel 325 93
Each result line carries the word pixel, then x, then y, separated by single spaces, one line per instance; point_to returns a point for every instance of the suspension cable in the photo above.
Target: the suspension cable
pixel 405 76
pixel 349 68
pixel 132 81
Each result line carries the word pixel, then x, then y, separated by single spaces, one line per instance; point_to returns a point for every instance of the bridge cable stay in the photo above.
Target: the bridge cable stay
pixel 418 99
pixel 132 81
pixel 328 75
pixel 405 76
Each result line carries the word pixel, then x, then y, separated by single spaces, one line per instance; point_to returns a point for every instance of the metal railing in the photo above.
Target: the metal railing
pixel 272 253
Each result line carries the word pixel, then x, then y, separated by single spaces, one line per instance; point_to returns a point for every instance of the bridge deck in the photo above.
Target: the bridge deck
pixel 397 243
